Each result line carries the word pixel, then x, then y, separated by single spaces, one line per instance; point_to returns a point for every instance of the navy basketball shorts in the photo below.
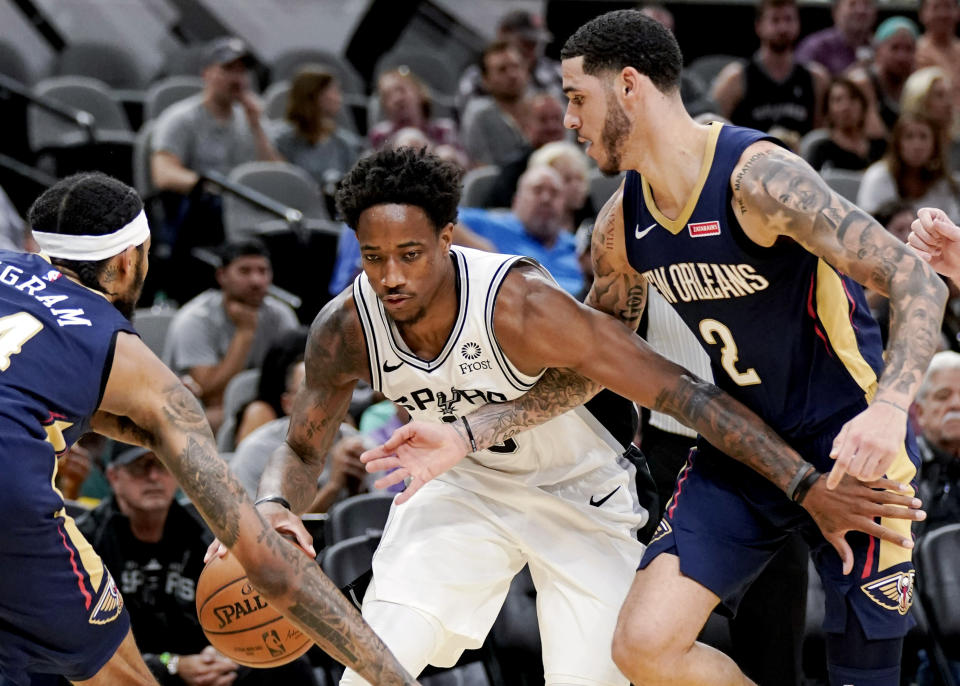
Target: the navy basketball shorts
pixel 60 610
pixel 724 522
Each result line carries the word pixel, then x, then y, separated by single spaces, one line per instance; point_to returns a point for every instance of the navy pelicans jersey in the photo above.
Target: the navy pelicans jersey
pixel 787 334
pixel 573 452
pixel 56 346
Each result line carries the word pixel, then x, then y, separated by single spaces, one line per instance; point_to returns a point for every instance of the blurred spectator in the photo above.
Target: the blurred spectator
pixel 222 332
pixel 213 130
pixel 915 168
pixel 14 232
pixel 544 124
pixel 939 45
pixel 493 127
pixel 525 30
pixel 846 42
pixel 661 14
pixel 568 160
pixel 773 91
pixel 277 386
pixel 938 416
pixel 156 548
pixel 927 91
pixel 405 102
pixel 533 227
pixel 848 146
pixel 73 468
pixel 882 80
pixel 309 137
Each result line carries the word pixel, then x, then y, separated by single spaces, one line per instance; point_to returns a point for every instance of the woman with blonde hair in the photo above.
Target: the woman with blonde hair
pixel 928 91
pixel 569 161
pixel 309 136
pixel 915 169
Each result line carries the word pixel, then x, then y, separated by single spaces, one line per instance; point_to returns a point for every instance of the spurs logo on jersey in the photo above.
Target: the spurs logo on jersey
pixel 892 592
pixel 109 605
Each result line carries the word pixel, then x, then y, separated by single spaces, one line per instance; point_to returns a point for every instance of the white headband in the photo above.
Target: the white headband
pixel 94 248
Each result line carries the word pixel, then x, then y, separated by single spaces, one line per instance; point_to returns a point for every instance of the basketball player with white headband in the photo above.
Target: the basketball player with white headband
pixel 71 362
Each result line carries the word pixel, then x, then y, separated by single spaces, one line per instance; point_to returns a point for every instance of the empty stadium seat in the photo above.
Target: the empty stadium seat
pixel 477 184
pixel 152 324
pixel 108 62
pixel 286 65
pixel 168 91
pixel 240 390
pixel 359 515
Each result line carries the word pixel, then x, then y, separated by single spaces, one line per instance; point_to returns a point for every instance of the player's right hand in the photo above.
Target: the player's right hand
pixel 854 506
pixel 283 521
pixel 419 451
pixel 935 237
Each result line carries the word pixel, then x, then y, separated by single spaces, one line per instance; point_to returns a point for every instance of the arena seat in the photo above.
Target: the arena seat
pixel 240 390
pixel 937 560
pixel 360 515
pixel 165 92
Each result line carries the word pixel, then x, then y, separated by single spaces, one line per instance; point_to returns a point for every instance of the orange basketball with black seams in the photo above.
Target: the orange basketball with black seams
pixel 239 622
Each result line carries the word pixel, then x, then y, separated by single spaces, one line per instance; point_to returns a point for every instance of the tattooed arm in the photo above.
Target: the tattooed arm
pixel 776 194
pixel 170 421
pixel 334 360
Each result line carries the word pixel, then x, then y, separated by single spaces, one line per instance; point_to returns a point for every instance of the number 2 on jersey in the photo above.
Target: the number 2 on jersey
pixel 15 330
pixel 711 329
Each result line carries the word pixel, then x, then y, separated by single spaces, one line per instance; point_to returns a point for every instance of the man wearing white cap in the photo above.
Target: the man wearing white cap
pixel 70 362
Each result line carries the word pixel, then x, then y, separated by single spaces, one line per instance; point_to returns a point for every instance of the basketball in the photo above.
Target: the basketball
pixel 238 621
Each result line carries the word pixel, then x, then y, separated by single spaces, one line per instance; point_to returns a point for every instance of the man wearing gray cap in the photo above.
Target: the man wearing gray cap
pixel 214 130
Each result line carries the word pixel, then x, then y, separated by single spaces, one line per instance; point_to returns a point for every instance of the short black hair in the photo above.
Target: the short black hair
pixel 404 176
pixel 232 250
pixel 627 38
pixel 85 204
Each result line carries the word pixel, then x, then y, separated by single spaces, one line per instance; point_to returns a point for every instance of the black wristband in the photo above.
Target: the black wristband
pixel 473 443
pixel 274 499
pixel 808 481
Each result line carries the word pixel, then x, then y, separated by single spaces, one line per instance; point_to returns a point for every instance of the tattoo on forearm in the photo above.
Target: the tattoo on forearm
pixel 616 291
pixel 557 391
pixel 730 427
pixel 796 202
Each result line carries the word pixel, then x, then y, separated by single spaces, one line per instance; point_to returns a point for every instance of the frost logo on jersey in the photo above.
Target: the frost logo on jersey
pixel 110 604
pixel 701 229
pixel 471 351
pixel 892 592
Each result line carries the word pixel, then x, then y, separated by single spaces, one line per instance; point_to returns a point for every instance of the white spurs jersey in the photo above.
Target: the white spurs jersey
pixel 570 456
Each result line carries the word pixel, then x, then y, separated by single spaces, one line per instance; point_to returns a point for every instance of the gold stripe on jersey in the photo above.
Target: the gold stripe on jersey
pixel 88 558
pixel 677 225
pixel 903 471
pixel 833 308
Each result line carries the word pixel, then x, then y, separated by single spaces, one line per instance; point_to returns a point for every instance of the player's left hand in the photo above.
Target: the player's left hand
pixel 868 444
pixel 854 506
pixel 418 450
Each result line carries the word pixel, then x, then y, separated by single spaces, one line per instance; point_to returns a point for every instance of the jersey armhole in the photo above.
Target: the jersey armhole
pixel 108 366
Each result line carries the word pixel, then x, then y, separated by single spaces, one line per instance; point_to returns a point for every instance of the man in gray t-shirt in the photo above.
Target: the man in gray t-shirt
pixel 222 332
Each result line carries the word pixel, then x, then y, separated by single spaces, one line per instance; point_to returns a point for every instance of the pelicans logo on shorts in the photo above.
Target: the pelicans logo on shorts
pixel 663 528
pixel 892 592
pixel 110 604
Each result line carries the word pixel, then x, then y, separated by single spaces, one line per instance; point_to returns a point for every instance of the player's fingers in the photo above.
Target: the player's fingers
pixel 840 454
pixel 945 227
pixel 299 535
pixel 215 549
pixel 898 512
pixel 381 464
pixel 395 477
pixel 412 487
pixel 839 543
pixel 376 453
pixel 925 251
pixel 923 232
pixel 882 532
pixel 891 485
pixel 399 437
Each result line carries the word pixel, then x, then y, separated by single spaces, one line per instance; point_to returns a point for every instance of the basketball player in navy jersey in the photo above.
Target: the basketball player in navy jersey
pixel 445 331
pixel 70 362
pixel 761 259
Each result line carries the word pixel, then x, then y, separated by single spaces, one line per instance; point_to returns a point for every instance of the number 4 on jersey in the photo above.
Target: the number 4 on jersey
pixel 15 330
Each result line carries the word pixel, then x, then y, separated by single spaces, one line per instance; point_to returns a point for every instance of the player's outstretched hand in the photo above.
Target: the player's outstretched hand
pixel 418 450
pixel 853 506
pixel 937 239
pixel 869 443
pixel 283 521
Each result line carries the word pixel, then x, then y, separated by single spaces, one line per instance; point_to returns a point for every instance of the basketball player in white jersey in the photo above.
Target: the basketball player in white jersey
pixel 444 331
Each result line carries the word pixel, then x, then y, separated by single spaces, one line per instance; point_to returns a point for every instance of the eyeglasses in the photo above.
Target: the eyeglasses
pixel 138 469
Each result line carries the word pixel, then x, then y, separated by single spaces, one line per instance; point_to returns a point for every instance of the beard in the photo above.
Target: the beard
pixel 127 303
pixel 616 128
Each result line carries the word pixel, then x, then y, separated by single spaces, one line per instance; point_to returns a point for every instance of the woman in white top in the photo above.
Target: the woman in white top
pixel 915 168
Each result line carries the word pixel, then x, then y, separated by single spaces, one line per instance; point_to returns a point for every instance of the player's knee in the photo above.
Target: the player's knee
pixel 642 653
